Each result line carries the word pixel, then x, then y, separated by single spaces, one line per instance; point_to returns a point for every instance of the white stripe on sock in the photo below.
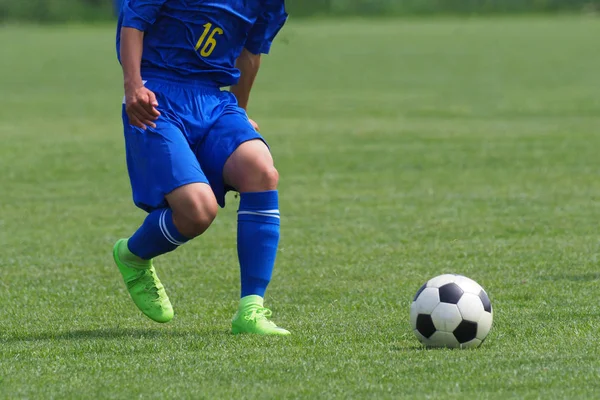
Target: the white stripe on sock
pixel 266 211
pixel 163 228
pixel 263 214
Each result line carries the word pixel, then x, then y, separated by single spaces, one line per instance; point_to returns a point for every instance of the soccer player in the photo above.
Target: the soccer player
pixel 188 141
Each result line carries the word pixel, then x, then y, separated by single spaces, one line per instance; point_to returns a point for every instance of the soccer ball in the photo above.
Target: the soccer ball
pixel 451 311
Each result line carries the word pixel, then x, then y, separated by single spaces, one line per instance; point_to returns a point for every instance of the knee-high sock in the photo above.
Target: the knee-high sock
pixel 157 235
pixel 257 240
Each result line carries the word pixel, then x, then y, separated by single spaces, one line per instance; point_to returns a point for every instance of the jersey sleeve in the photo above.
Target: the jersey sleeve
pixel 266 27
pixel 140 14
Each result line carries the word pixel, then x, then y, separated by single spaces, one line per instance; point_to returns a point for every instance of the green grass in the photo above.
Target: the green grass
pixel 406 149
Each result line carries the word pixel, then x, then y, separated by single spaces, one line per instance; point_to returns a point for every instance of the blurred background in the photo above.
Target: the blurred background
pixel 78 10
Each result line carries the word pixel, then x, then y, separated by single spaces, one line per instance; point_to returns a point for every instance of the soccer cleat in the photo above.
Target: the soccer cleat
pixel 252 317
pixel 143 285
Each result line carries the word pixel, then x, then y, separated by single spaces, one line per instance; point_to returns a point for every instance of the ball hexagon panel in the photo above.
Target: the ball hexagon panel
pixel 450 293
pixel 484 325
pixel 446 317
pixel 441 280
pixel 470 307
pixel 468 285
pixel 443 339
pixel 427 301
pixel 485 300
pixel 465 331
pixel 425 325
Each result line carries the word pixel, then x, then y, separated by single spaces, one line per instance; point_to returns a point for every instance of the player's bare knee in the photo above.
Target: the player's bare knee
pixel 200 219
pixel 269 178
pixel 260 178
pixel 195 215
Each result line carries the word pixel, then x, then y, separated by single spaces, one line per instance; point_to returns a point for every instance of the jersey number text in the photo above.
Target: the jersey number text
pixel 207 42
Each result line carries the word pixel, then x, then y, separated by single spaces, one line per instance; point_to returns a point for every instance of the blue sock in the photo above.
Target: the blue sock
pixel 157 235
pixel 257 240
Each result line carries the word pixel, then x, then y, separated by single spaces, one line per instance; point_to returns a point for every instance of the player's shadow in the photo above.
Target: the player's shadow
pixel 101 333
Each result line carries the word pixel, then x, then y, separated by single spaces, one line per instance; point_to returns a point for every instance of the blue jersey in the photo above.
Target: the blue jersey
pixel 200 40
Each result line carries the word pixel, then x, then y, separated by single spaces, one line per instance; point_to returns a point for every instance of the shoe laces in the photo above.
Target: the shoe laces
pixel 260 314
pixel 149 284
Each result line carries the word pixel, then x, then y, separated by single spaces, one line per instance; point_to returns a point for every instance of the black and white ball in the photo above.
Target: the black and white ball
pixel 451 311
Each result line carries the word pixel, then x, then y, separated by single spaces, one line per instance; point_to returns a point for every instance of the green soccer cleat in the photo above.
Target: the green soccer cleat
pixel 252 317
pixel 143 285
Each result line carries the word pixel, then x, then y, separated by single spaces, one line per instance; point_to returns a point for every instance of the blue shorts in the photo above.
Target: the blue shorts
pixel 199 128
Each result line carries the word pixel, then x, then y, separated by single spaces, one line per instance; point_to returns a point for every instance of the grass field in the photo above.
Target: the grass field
pixel 407 149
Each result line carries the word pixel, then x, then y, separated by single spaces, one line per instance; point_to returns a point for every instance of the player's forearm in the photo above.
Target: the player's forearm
pixel 248 64
pixel 132 46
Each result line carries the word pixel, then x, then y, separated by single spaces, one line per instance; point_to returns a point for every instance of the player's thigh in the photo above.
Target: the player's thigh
pixel 159 160
pixel 229 132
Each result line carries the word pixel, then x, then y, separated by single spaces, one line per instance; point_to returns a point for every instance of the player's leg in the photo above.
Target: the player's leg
pixel 233 155
pixel 167 182
pixel 188 212
pixel 250 170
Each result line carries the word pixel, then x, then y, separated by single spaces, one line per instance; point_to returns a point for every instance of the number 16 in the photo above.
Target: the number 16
pixel 210 43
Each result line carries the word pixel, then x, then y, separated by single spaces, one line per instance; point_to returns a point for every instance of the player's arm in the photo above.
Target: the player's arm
pixel 248 64
pixel 138 15
pixel 258 42
pixel 140 103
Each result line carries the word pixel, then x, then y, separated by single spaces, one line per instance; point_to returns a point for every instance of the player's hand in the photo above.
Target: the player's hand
pixel 254 125
pixel 140 105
